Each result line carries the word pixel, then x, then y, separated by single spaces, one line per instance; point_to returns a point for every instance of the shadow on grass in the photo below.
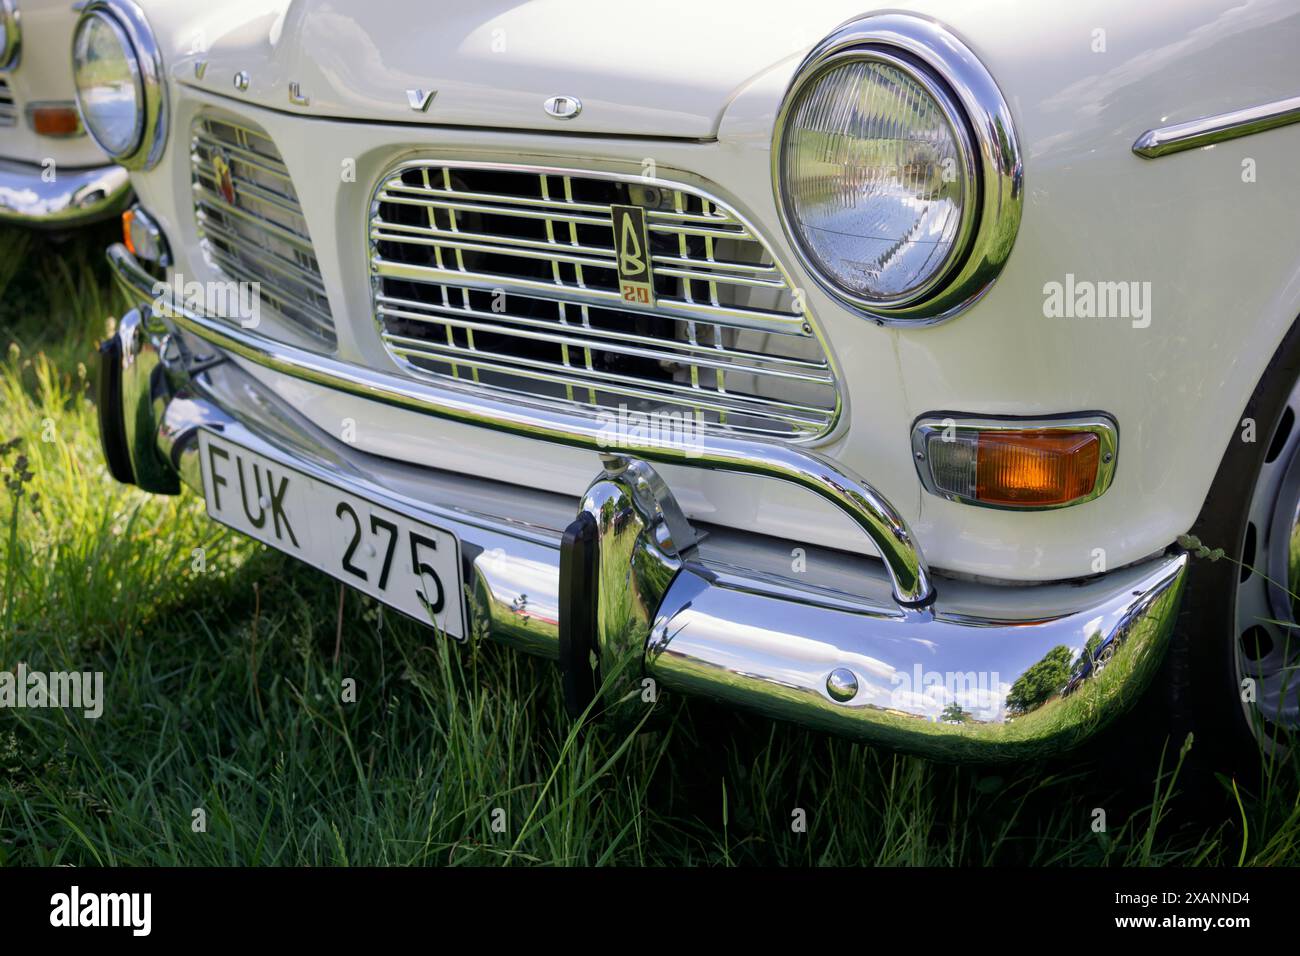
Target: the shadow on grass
pixel 55 292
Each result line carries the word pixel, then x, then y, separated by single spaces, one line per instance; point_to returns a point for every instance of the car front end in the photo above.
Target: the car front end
pixel 577 341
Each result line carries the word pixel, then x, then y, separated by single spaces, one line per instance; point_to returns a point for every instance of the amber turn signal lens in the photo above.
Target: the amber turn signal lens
pixel 1035 468
pixel 144 239
pixel 1034 465
pixel 55 120
pixel 127 241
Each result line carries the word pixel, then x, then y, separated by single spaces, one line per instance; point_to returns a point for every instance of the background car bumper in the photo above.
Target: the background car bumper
pixel 975 674
pixel 74 197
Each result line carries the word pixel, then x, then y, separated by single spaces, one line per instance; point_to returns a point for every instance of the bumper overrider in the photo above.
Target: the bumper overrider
pixel 32 195
pixel 918 662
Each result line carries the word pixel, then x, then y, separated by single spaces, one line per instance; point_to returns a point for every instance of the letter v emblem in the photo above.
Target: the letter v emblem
pixel 419 100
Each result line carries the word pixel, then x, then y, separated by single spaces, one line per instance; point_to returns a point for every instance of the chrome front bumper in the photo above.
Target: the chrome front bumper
pixel 621 578
pixel 74 197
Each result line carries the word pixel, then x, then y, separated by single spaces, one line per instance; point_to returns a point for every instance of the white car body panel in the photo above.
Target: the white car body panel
pixel 1219 252
pixel 484 60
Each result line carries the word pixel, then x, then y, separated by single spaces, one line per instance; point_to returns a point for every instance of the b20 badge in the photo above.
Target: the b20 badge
pixel 632 249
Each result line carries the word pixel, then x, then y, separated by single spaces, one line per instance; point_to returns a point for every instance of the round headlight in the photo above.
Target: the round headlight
pixel 897 172
pixel 8 35
pixel 109 90
pixel 117 74
pixel 876 165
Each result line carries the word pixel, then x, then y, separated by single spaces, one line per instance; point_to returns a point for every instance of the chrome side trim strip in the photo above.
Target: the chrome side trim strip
pixel 909 574
pixel 1209 130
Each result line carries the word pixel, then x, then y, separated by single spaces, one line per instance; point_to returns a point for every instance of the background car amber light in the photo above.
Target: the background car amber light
pixel 1035 468
pixel 55 120
pixel 1017 464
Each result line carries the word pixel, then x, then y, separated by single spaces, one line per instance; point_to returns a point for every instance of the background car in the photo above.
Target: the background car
pixel 52 175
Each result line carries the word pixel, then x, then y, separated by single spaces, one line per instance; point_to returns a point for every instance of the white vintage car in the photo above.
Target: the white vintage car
pixel 52 175
pixel 892 373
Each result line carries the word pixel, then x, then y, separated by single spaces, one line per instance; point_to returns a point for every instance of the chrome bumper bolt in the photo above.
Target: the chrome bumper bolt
pixel 842 684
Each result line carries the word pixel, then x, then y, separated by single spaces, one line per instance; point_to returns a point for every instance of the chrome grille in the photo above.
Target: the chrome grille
pixel 8 108
pixel 260 236
pixel 505 278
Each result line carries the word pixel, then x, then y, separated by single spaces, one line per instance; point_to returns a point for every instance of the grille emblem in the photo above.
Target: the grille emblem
pixel 419 100
pixel 563 107
pixel 632 249
pixel 225 180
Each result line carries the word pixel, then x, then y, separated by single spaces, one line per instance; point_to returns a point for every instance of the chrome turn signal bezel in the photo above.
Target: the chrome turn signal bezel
pixel 998 170
pixel 1100 424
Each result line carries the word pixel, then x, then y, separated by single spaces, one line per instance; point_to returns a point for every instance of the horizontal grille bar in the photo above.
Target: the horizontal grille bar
pixel 8 108
pixel 622 384
pixel 684 309
pixel 745 273
pixel 623 344
pixel 251 223
pixel 507 279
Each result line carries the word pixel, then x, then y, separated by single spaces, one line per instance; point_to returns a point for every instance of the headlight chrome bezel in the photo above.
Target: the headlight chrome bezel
pixel 11 48
pixel 946 68
pixel 147 145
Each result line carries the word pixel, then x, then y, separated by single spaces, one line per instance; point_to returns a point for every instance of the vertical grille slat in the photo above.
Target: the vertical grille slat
pixel 507 277
pixel 251 223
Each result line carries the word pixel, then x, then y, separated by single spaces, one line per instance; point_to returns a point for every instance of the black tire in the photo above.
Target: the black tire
pixel 1198 691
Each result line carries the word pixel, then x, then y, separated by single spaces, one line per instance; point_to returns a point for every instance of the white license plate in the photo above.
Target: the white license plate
pixel 406 564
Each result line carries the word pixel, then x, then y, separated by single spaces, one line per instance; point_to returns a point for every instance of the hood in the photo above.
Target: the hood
pixel 667 68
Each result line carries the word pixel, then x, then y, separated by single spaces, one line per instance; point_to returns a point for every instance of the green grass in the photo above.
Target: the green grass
pixel 224 695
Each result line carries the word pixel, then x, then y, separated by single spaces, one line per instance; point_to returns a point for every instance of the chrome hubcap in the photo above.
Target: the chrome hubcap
pixel 1267 607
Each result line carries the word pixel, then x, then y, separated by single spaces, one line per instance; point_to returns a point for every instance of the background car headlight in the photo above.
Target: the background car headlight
pixel 897 170
pixel 117 72
pixel 9 34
